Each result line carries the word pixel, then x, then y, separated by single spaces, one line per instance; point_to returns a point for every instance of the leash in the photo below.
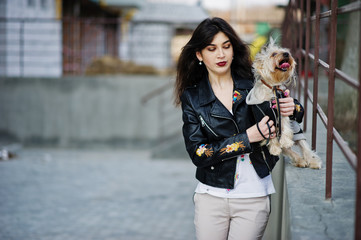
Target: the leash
pixel 269 130
pixel 277 93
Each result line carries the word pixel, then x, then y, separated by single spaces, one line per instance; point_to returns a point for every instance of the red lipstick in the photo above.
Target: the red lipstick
pixel 221 64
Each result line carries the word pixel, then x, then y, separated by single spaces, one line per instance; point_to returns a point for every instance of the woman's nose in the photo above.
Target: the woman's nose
pixel 220 53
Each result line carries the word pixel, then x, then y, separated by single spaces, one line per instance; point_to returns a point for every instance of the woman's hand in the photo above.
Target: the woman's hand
pixel 287 105
pixel 254 133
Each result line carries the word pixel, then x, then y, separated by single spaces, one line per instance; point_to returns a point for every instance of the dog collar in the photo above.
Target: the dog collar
pixel 266 84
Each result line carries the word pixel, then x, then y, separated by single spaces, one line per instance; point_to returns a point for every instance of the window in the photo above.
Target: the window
pixel 31 3
pixel 44 4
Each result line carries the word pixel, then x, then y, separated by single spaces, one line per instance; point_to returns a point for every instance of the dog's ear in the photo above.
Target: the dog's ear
pixel 272 41
pixel 270 44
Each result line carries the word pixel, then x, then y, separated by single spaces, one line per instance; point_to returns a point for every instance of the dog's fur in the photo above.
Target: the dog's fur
pixel 269 66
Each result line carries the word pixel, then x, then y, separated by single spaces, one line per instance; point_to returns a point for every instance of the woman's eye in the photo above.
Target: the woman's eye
pixel 227 46
pixel 211 49
pixel 274 54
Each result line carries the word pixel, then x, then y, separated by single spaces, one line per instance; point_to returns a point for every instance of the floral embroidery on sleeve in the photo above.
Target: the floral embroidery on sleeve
pixel 233 147
pixel 298 108
pixel 236 96
pixel 203 149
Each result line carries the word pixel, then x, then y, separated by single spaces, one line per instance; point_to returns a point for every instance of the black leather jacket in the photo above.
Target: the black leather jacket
pixel 214 137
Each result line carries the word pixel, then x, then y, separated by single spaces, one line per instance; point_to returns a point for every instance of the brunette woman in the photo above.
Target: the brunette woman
pixel 214 75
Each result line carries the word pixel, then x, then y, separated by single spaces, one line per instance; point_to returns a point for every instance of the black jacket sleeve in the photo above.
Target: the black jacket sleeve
pixel 298 112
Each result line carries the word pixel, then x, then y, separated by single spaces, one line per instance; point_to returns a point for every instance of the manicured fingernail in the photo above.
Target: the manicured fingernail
pixel 273 101
pixel 286 94
pixel 274 106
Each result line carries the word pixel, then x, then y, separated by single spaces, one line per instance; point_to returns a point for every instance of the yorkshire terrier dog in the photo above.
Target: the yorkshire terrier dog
pixel 274 69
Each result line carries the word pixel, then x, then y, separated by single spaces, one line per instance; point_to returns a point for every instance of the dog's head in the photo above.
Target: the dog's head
pixel 274 65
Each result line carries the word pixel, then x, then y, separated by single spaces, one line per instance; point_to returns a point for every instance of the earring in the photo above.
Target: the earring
pixel 200 62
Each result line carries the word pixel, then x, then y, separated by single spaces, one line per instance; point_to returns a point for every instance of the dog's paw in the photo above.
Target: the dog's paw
pixel 274 149
pixel 296 160
pixel 315 162
pixel 301 163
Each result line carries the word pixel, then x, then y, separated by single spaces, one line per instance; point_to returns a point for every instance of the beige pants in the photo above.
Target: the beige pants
pixel 230 218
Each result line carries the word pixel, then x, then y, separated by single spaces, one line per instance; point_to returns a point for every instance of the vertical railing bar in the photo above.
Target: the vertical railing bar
pixel 307 62
pixel 331 98
pixel 358 167
pixel 315 75
pixel 300 36
pixel 292 29
pixel 285 29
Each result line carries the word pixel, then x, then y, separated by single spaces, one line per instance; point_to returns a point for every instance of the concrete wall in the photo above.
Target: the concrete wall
pixel 75 111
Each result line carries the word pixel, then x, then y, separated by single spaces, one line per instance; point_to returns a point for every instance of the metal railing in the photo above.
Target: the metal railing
pixel 297 36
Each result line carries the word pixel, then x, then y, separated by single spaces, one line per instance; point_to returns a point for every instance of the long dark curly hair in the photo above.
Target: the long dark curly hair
pixel 189 72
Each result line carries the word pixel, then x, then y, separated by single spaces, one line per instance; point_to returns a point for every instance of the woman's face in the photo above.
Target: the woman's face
pixel 218 55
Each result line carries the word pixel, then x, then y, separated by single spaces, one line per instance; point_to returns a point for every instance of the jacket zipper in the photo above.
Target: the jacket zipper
pixel 234 125
pixel 228 119
pixel 227 158
pixel 204 124
pixel 264 159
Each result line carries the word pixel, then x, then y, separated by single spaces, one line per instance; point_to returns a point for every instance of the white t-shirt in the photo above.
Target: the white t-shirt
pixel 247 183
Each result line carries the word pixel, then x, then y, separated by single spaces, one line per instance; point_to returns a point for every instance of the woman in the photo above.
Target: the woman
pixel 214 75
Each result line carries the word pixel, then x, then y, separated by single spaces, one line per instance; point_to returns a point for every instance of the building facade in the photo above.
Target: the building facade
pixel 153 28
pixel 30 39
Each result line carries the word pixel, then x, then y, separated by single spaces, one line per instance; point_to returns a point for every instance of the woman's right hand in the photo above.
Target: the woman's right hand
pixel 254 134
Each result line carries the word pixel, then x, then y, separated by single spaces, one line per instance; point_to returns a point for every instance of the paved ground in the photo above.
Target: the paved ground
pixel 95 195
pixel 98 194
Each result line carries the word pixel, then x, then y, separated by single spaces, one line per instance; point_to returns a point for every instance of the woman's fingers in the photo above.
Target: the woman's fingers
pixel 273 130
pixel 264 120
pixel 267 129
pixel 272 133
pixel 287 106
pixel 261 128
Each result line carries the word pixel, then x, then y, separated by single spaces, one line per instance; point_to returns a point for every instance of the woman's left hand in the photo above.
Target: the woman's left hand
pixel 287 105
